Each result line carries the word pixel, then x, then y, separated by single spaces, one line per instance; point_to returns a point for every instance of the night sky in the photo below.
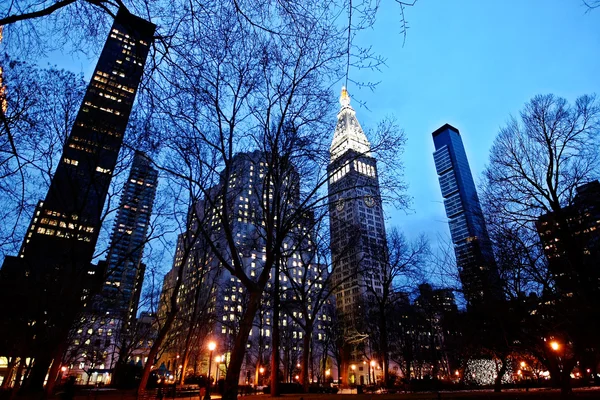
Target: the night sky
pixel 470 63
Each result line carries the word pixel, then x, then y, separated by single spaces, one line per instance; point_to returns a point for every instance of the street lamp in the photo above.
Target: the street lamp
pixel 354 375
pixel 554 345
pixel 261 370
pixel 211 347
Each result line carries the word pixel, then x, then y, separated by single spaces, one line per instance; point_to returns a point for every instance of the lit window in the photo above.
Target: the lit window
pixel 103 170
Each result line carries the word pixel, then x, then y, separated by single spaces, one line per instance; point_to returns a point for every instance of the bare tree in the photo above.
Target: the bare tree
pixel 400 270
pixel 536 164
pixel 39 107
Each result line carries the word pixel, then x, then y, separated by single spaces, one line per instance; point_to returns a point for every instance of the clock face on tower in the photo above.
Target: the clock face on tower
pixel 369 201
pixel 339 205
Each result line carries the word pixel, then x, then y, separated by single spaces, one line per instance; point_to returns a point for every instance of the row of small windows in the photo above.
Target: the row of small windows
pixel 442 160
pixel 363 168
pixel 105 109
pixel 59 233
pixel 340 173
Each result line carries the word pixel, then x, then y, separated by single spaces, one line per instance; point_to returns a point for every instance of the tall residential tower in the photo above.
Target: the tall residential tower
pixel 472 246
pixel 124 268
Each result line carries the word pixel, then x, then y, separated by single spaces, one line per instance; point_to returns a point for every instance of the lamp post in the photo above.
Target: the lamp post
pixel 372 368
pixel 218 361
pixel 211 347
pixel 262 371
pixel 354 375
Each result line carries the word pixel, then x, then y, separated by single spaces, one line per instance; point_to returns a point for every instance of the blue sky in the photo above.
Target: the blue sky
pixel 471 63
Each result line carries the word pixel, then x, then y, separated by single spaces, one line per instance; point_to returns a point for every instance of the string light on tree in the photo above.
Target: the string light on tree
pixel 484 372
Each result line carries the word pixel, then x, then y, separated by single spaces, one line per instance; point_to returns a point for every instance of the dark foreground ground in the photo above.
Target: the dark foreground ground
pixel 533 394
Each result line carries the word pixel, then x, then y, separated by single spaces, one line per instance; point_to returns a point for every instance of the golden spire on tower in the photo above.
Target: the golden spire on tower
pixel 344 98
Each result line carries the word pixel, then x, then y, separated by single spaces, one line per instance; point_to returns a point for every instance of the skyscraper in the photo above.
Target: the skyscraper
pixel 125 271
pixel 109 320
pixel 53 265
pixel 472 246
pixel 358 239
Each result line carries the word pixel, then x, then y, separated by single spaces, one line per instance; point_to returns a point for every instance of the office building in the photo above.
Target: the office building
pixel 472 246
pixel 358 239
pixel 53 265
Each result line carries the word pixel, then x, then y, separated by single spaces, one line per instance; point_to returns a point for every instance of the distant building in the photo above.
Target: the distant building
pixel 434 308
pixel 110 319
pixel 358 239
pixel 472 246
pixel 120 294
pixel 52 269
pixel 435 300
pixel 577 229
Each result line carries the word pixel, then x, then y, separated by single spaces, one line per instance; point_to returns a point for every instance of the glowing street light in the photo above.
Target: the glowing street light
pixel 554 345
pixel 523 364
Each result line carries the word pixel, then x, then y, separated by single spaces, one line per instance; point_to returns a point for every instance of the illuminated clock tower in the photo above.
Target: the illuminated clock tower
pixel 358 240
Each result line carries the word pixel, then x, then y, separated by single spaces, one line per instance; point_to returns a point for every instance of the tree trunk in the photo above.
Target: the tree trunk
pixel 500 375
pixel 565 378
pixel 35 381
pixel 383 345
pixel 239 347
pixel 186 354
pixel 18 376
pixel 55 368
pixel 162 334
pixel 9 371
pixel 275 336
pixel 305 357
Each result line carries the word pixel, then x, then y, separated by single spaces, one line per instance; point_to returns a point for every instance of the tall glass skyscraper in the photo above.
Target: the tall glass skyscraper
pixel 472 246
pixel 50 278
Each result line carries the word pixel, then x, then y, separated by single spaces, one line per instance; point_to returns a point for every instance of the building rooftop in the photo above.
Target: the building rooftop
pixel 444 128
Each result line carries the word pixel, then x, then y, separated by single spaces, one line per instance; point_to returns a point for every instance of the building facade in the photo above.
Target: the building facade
pixel 110 319
pixel 472 246
pixel 52 269
pixel 212 300
pixel 121 291
pixel 578 227
pixel 358 238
